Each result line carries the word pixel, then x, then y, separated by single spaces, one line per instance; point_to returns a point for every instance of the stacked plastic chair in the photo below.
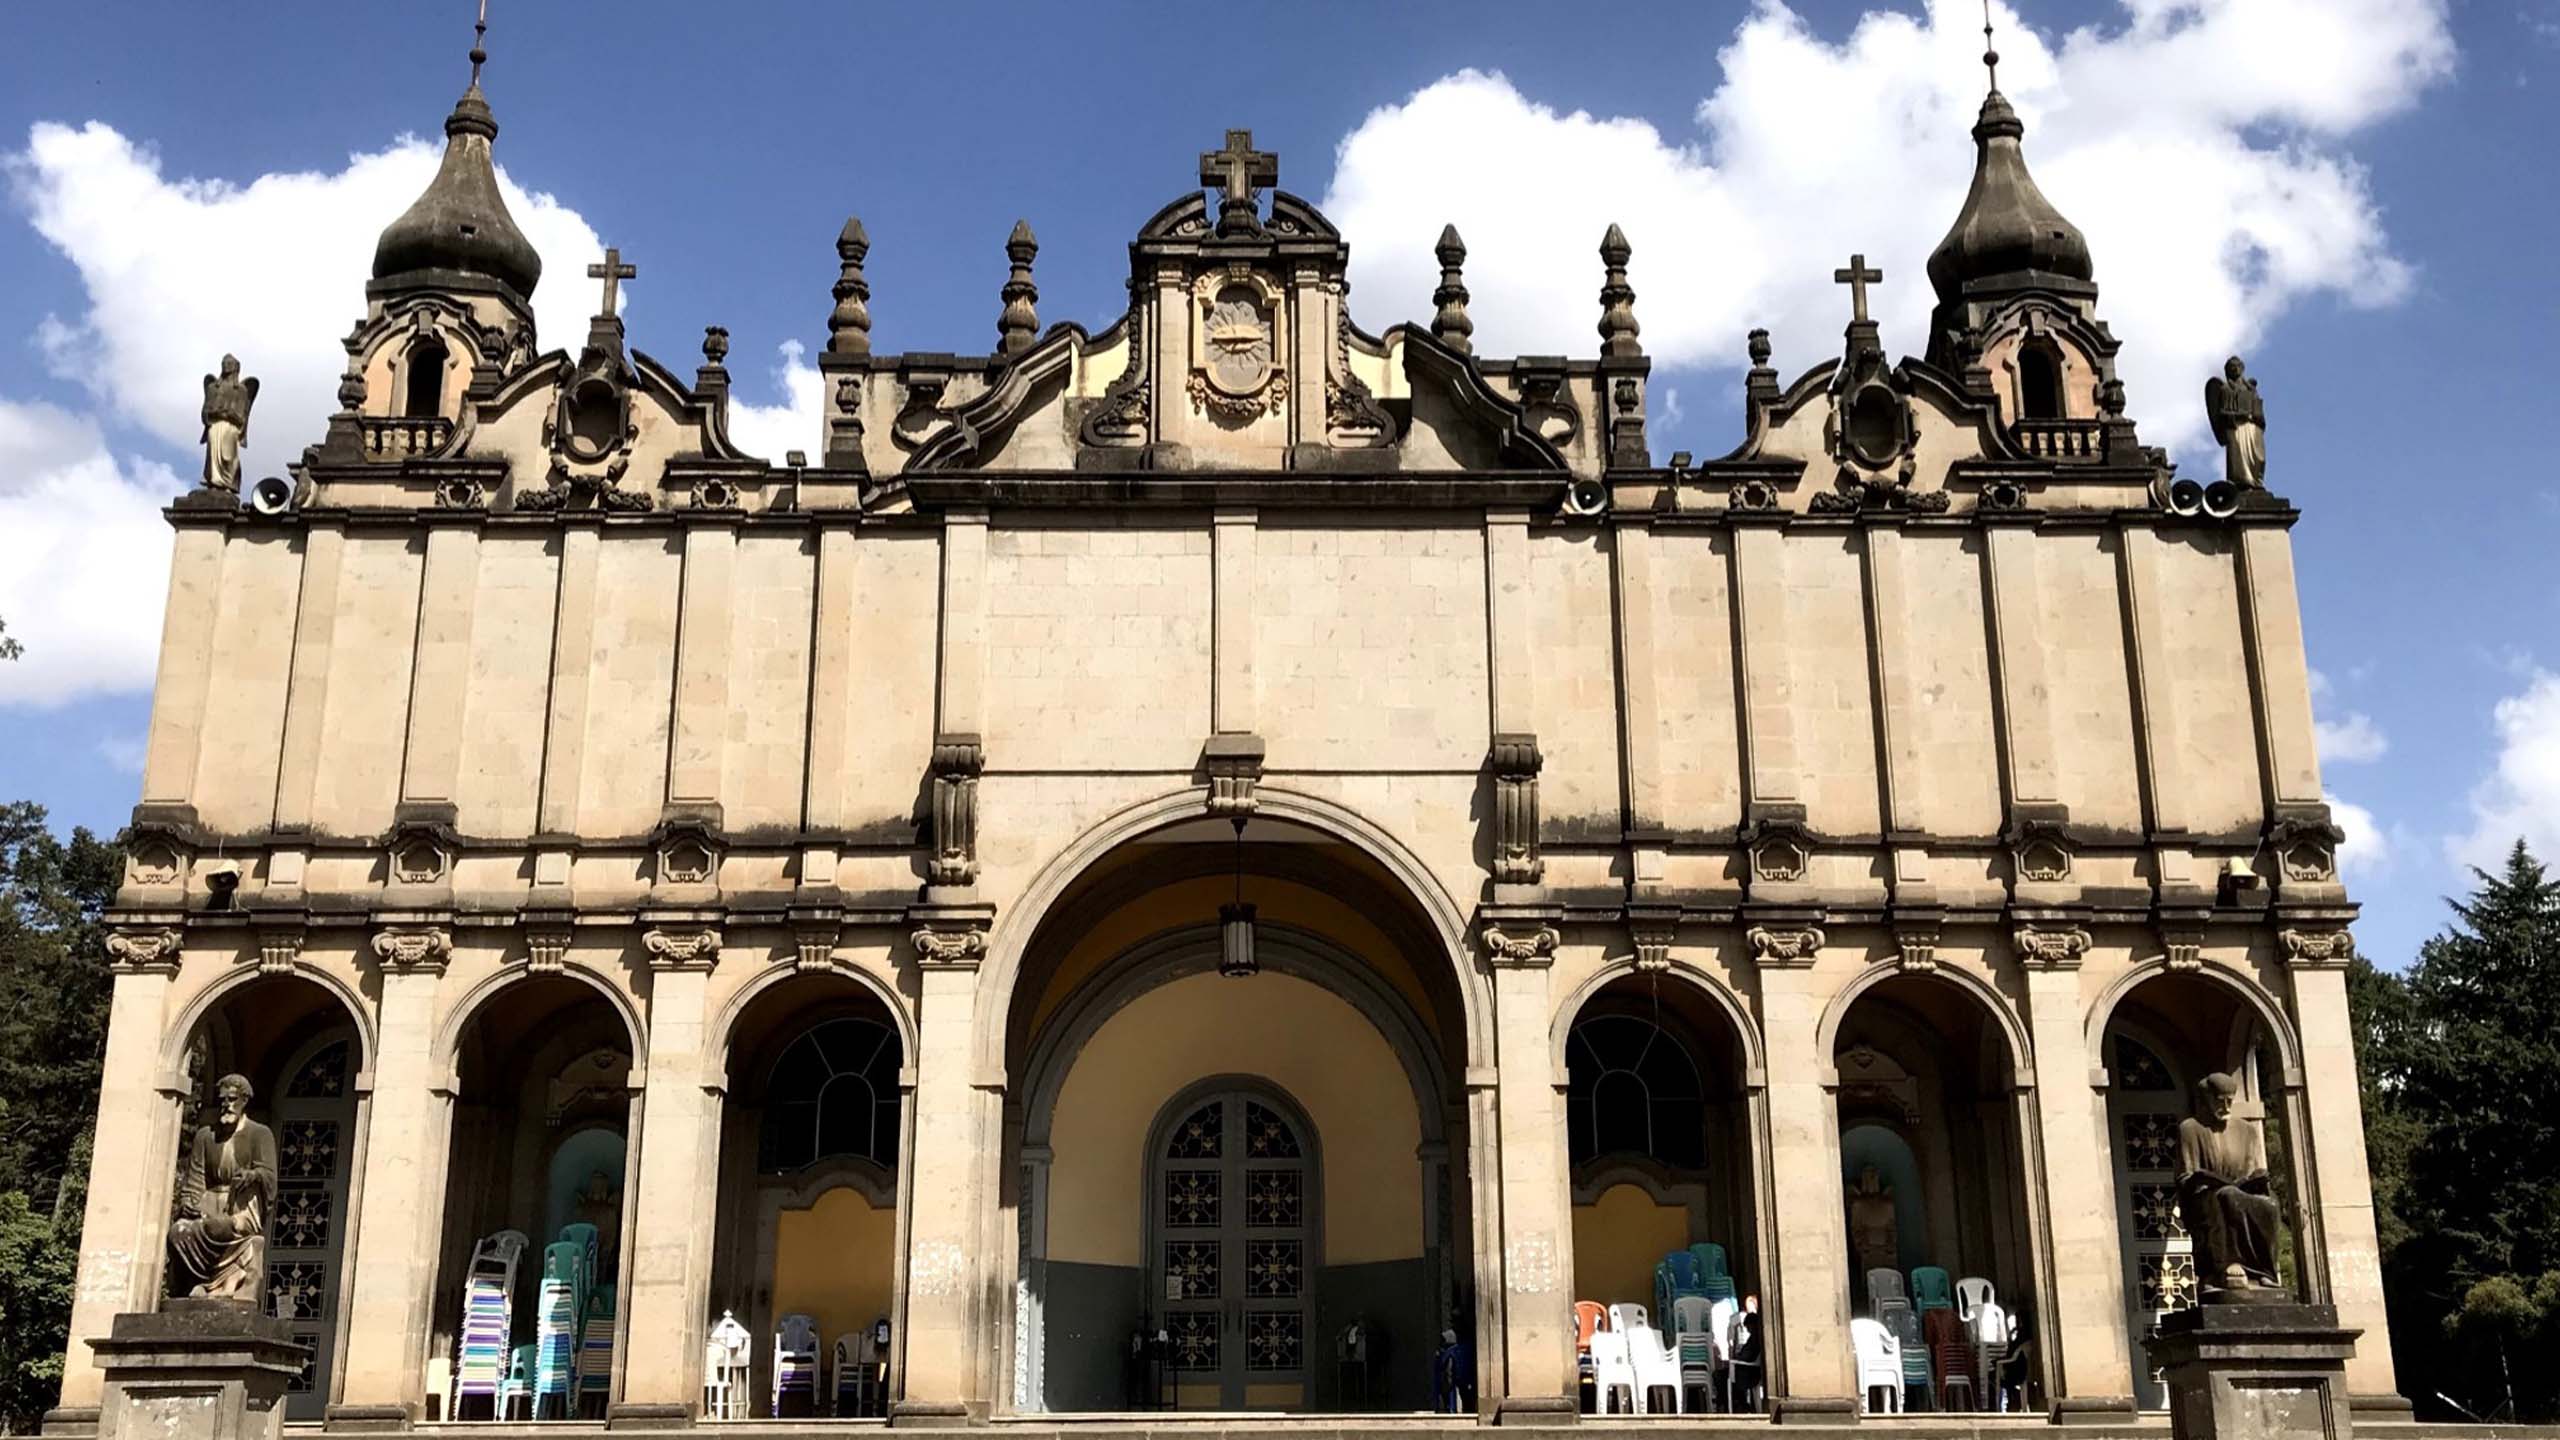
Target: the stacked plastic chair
pixel 1590 1317
pixel 1897 1316
pixel 488 1303
pixel 1931 1289
pixel 556 1328
pixel 1714 1277
pixel 724 1369
pixel 1951 1352
pixel 1693 1341
pixel 1883 1285
pixel 1879 1361
pixel 518 1385
pixel 1986 1324
pixel 1675 1278
pixel 795 1362
pixel 595 1350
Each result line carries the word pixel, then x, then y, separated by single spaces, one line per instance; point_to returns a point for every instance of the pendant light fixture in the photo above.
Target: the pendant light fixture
pixel 1235 923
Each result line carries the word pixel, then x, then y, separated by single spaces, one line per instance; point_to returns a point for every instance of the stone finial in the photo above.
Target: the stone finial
pixel 849 327
pixel 714 374
pixel 1760 386
pixel 1019 325
pixel 1617 298
pixel 1450 325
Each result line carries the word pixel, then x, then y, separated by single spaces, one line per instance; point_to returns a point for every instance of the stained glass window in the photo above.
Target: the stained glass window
pixel 1267 1136
pixel 1200 1134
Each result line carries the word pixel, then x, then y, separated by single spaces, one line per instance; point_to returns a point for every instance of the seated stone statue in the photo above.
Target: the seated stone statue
pixel 218 1245
pixel 2223 1193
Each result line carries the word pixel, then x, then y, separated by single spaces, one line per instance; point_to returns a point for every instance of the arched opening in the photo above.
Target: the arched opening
pixel 1346 1039
pixel 813 1139
pixel 1934 1164
pixel 1659 1132
pixel 2039 381
pixel 526 1319
pixel 2163 1037
pixel 422 394
pixel 271 1213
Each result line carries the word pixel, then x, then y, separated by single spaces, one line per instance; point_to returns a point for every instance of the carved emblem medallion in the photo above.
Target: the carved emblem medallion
pixel 1236 345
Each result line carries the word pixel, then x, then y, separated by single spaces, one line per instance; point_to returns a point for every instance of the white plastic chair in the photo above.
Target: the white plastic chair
pixel 1628 1315
pixel 1693 1330
pixel 724 1369
pixel 1972 1291
pixel 1656 1367
pixel 1988 1328
pixel 1720 1330
pixel 795 1361
pixel 1879 1358
pixel 1613 1370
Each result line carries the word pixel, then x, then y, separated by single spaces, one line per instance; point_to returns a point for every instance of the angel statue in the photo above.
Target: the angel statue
pixel 2239 422
pixel 227 398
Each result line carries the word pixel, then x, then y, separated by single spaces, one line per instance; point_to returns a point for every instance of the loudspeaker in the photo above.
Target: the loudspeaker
pixel 1586 497
pixel 271 496
pixel 2185 497
pixel 2222 499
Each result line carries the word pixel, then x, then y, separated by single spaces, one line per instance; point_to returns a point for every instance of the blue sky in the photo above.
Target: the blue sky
pixel 2352 192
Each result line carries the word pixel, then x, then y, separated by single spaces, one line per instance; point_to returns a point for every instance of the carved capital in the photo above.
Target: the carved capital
pixel 1916 945
pixel 547 948
pixel 2057 949
pixel 2184 947
pixel 957 761
pixel 1652 935
pixel 1785 946
pixel 1521 947
pixel 278 947
pixel 144 950
pixel 949 947
pixel 2318 949
pixel 687 948
pixel 418 949
pixel 813 943
pixel 1233 763
pixel 1516 762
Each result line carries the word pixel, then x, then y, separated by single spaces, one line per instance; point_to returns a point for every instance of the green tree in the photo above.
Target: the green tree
pixel 53 1005
pixel 2461 1069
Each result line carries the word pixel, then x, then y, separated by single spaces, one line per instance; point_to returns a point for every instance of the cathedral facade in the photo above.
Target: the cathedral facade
pixel 1230 861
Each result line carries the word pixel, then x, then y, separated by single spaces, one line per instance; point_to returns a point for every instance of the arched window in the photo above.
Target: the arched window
pixel 2039 383
pixel 834 1092
pixel 425 398
pixel 1631 1087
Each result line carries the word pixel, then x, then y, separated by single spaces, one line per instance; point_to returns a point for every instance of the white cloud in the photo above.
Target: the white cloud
pixel 2355 740
pixel 2211 184
pixel 180 272
pixel 772 431
pixel 2521 795
pixel 84 557
pixel 124 752
pixel 177 272
pixel 2368 849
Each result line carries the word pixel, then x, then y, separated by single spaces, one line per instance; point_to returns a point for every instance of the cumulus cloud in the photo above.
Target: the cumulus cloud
pixel 774 431
pixel 2368 848
pixel 2355 740
pixel 2214 188
pixel 175 272
pixel 2521 795
pixel 84 557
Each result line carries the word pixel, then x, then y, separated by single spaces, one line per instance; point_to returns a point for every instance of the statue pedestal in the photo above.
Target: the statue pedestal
pixel 196 1370
pixel 2244 1371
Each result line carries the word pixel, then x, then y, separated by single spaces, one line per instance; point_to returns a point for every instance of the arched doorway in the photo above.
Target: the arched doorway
pixel 1350 1025
pixel 2163 1036
pixel 814 1139
pixel 297 1045
pixel 539 1167
pixel 1660 1136
pixel 1934 1147
pixel 1234 1210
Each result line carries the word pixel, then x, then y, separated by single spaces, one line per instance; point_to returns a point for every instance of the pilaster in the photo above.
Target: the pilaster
pixel 703 632
pixel 400 1212
pixel 440 680
pixel 942 1368
pixel 665 1268
pixel 1771 764
pixel 184 683
pixel 830 707
pixel 1535 1222
pixel 564 750
pixel 1809 1326
pixel 315 629
pixel 2091 1364
pixel 1232 538
pixel 2316 964
pixel 124 1221
pixel 1639 704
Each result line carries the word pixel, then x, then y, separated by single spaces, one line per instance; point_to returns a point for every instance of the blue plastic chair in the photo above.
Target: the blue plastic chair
pixel 1714 1279
pixel 1931 1289
pixel 1675 1279
pixel 518 1385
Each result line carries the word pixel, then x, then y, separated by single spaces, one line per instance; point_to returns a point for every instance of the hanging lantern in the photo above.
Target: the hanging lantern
pixel 1235 923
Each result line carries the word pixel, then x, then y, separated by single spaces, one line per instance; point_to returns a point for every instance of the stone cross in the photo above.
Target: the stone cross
pixel 1239 169
pixel 1857 277
pixel 612 272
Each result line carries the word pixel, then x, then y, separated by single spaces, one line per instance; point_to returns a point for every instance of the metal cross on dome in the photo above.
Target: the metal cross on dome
pixel 612 272
pixel 1238 171
pixel 1857 277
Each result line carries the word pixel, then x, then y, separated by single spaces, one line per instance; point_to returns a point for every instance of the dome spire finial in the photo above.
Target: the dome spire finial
pixel 1990 50
pixel 479 43
pixel 460 224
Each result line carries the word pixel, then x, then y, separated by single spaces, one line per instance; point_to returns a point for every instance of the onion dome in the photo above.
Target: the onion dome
pixel 461 223
pixel 2007 231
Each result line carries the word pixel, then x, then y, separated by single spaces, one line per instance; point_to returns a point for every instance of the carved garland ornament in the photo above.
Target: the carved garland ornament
pixel 144 951
pixel 2051 947
pixel 1526 948
pixel 2318 947
pixel 426 948
pixel 1792 945
pixel 682 949
pixel 949 947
